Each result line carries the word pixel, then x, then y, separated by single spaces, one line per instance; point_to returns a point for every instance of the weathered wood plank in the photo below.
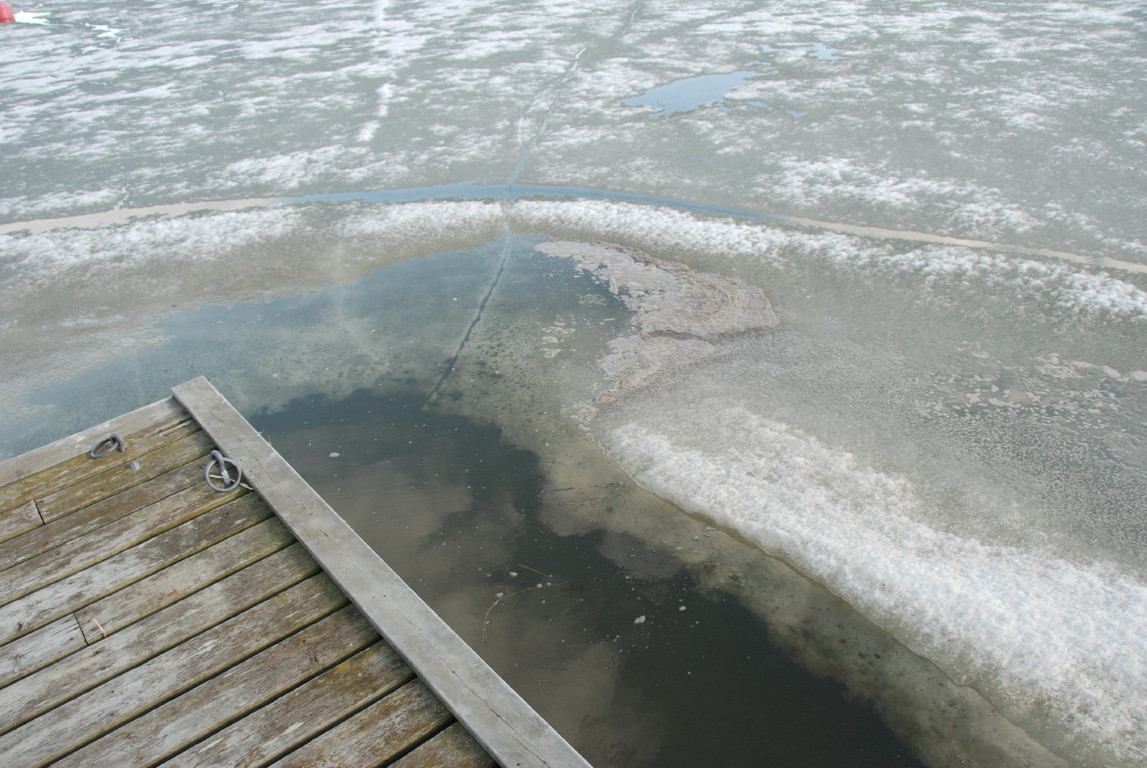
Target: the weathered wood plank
pixel 87 717
pixel 79 553
pixel 453 748
pixel 122 474
pixel 81 470
pixel 504 723
pixel 18 520
pixel 22 469
pixel 134 602
pixel 377 734
pixel 88 519
pixel 57 532
pixel 296 717
pixel 170 728
pixel 106 576
pixel 38 649
pixel 89 667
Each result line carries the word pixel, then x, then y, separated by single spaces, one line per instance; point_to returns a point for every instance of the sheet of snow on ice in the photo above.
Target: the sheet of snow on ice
pixel 1021 124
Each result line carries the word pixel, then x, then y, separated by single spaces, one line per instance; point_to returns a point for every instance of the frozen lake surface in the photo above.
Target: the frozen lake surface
pixel 853 292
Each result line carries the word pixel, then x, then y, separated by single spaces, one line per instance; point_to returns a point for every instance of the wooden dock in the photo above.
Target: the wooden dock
pixel 149 619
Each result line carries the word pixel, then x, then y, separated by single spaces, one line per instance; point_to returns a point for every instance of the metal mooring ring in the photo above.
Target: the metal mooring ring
pixel 230 479
pixel 112 442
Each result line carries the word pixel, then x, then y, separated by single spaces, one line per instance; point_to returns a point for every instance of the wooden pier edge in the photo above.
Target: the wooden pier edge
pixel 499 719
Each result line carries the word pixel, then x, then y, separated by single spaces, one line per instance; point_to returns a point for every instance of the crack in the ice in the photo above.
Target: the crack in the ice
pixel 549 95
pixel 452 361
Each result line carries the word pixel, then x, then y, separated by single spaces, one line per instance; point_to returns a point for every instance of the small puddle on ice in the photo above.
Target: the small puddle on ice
pixel 689 93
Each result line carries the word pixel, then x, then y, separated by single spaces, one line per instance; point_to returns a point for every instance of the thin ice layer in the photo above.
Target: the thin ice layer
pixel 75 299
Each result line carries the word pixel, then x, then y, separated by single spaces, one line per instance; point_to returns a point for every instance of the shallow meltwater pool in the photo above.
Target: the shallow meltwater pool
pixel 635 655
pixel 697 507
pixel 429 402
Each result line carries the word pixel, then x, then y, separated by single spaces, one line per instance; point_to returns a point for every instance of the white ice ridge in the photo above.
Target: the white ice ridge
pixel 679 312
pixel 1057 645
pixel 935 260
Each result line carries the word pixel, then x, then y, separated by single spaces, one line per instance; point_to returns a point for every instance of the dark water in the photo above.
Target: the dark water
pixel 635 671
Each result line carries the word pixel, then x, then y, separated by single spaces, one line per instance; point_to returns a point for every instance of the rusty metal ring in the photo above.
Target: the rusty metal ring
pixel 112 442
pixel 230 482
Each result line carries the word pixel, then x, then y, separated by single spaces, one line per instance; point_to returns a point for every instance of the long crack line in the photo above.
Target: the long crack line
pixel 549 98
pixel 453 360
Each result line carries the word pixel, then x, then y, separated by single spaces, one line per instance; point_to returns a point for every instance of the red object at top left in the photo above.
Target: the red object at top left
pixel 6 13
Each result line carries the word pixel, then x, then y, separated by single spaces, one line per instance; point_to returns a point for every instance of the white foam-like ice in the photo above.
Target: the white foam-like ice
pixel 176 239
pixel 1053 643
pixel 31 17
pixel 160 234
pixel 398 228
pixel 968 207
pixel 662 230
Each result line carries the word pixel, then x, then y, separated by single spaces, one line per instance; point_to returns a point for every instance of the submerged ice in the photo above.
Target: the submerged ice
pixel 678 312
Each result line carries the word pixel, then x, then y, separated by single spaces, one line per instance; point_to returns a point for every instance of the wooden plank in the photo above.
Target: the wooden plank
pixel 18 520
pixel 21 469
pixel 106 576
pixel 498 717
pixel 134 602
pixel 87 717
pixel 87 668
pixel 38 649
pixel 298 716
pixel 81 470
pixel 122 473
pixel 59 532
pixel 168 729
pixel 377 734
pixel 127 532
pixel 88 519
pixel 453 748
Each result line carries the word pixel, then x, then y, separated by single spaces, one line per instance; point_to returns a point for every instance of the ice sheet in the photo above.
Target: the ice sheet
pixel 1018 125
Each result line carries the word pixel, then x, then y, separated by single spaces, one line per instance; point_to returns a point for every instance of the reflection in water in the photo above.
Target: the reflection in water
pixel 613 640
